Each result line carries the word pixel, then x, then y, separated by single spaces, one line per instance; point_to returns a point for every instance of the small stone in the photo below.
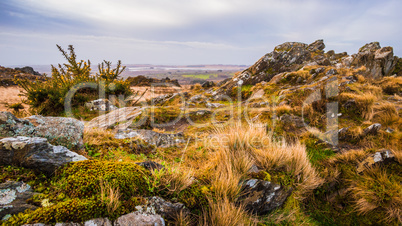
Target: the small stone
pixel 372 130
pixel 136 218
pixel 380 157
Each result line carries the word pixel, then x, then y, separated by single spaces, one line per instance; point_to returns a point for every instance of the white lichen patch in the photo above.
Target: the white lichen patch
pixel 7 196
pixel 23 188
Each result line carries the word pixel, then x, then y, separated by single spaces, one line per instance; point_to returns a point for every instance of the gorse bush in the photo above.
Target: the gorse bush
pixel 48 97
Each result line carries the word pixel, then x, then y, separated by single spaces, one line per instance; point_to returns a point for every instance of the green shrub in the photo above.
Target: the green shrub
pixel 47 97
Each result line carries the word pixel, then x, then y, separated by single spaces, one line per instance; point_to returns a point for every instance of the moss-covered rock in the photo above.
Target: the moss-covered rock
pixel 83 179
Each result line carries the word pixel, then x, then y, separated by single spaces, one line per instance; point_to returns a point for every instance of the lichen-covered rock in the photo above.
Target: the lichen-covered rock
pixel 98 222
pixel 100 105
pixel 35 153
pixel 378 61
pixel 152 137
pixel 140 219
pixel 67 132
pixel 168 210
pixel 13 197
pixel 380 157
pixel 117 119
pixel 260 197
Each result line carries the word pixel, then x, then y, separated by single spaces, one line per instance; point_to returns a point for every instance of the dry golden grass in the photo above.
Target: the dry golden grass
pixel 386 114
pixel 352 156
pixel 364 102
pixel 378 191
pixel 242 146
pixel 398 155
pixel 183 219
pixel 223 212
pixel 177 178
pixel 391 85
pixel 280 110
pixel 110 196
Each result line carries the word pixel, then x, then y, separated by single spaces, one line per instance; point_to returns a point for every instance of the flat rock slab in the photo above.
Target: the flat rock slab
pixel 152 137
pixel 63 131
pixel 35 153
pixel 117 119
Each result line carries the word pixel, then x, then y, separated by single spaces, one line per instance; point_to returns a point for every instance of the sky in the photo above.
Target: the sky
pixel 182 32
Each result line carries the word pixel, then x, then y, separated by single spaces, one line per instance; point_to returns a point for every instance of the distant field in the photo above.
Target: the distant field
pixel 201 76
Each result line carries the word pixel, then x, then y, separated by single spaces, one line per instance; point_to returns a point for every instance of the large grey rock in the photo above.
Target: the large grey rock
pixel 35 153
pixel 140 219
pixel 117 119
pixel 13 197
pixel 100 105
pixel 152 137
pixel 378 61
pixel 260 197
pixel 67 132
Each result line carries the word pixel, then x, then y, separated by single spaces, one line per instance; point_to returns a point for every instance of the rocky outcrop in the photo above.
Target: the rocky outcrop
pixel 289 56
pixel 378 61
pixel 118 119
pixel 13 198
pixel 35 153
pixel 137 218
pixel 67 132
pixel 260 197
pixel 152 137
pixel 28 70
pixel 292 56
pixel 100 105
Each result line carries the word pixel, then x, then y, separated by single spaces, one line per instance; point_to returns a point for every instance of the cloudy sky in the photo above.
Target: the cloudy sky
pixel 188 31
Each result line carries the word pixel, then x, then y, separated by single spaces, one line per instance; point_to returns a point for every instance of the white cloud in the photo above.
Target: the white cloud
pixel 237 31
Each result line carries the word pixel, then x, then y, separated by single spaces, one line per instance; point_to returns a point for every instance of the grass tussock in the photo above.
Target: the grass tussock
pixel 223 212
pixel 173 179
pixel 378 191
pixel 244 146
pixel 110 196
pixel 386 114
pixel 364 102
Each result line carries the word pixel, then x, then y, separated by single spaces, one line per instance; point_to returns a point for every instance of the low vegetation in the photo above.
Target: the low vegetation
pixel 49 97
